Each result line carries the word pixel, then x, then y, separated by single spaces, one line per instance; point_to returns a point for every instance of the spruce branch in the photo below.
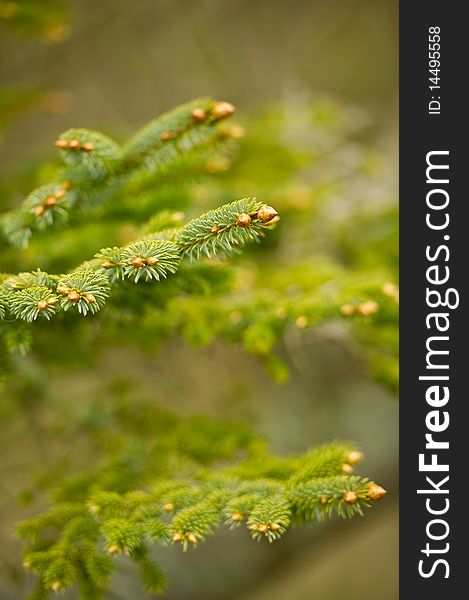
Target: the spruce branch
pixel 166 480
pixel 187 509
pixel 87 288
pixel 180 125
pixel 226 229
pixel 97 168
pixel 90 155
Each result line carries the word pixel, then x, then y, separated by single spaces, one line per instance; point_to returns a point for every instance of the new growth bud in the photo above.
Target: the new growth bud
pixel 354 457
pixel 243 220
pixel 347 310
pixel 198 114
pixel 368 308
pixel 266 213
pixel 191 537
pixel 138 262
pixel 375 492
pixel 350 497
pixel 42 305
pixel 221 110
pixel 237 516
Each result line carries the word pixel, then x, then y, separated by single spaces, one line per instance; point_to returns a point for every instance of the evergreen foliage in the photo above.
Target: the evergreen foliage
pixel 92 522
pixel 151 274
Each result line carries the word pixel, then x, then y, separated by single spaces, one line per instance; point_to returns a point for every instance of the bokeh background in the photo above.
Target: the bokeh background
pixel 112 65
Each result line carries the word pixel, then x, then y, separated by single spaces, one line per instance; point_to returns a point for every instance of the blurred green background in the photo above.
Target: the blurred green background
pixel 112 66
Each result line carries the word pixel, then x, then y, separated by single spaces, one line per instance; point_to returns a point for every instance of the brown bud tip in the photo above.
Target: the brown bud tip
pixel 215 229
pixel 168 507
pixel 91 299
pixel 375 492
pixel 42 305
pixel 368 308
pixel 74 296
pixel 350 497
pixel 198 114
pixel 88 147
pixel 39 210
pixel 275 526
pixel 347 469
pixel 266 213
pixel 66 185
pixel 51 201
pixel 191 537
pixel 177 537
pixel 74 145
pixel 347 309
pixel 302 322
pixel 243 220
pixel 152 261
pixel 237 516
pixel 166 135
pixel 221 110
pixel 324 500
pixel 56 586
pixel 138 262
pixel 60 144
pixel 112 549
pixel 262 528
pixel 107 264
pixel 60 194
pixel 62 289
pixel 354 457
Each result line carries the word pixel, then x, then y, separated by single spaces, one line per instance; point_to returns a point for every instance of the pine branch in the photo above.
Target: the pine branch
pixel 29 296
pixel 96 167
pixel 168 480
pixel 226 229
pixel 181 129
pixel 186 510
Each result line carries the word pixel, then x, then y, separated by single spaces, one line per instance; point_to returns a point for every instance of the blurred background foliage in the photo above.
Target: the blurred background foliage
pixel 315 86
